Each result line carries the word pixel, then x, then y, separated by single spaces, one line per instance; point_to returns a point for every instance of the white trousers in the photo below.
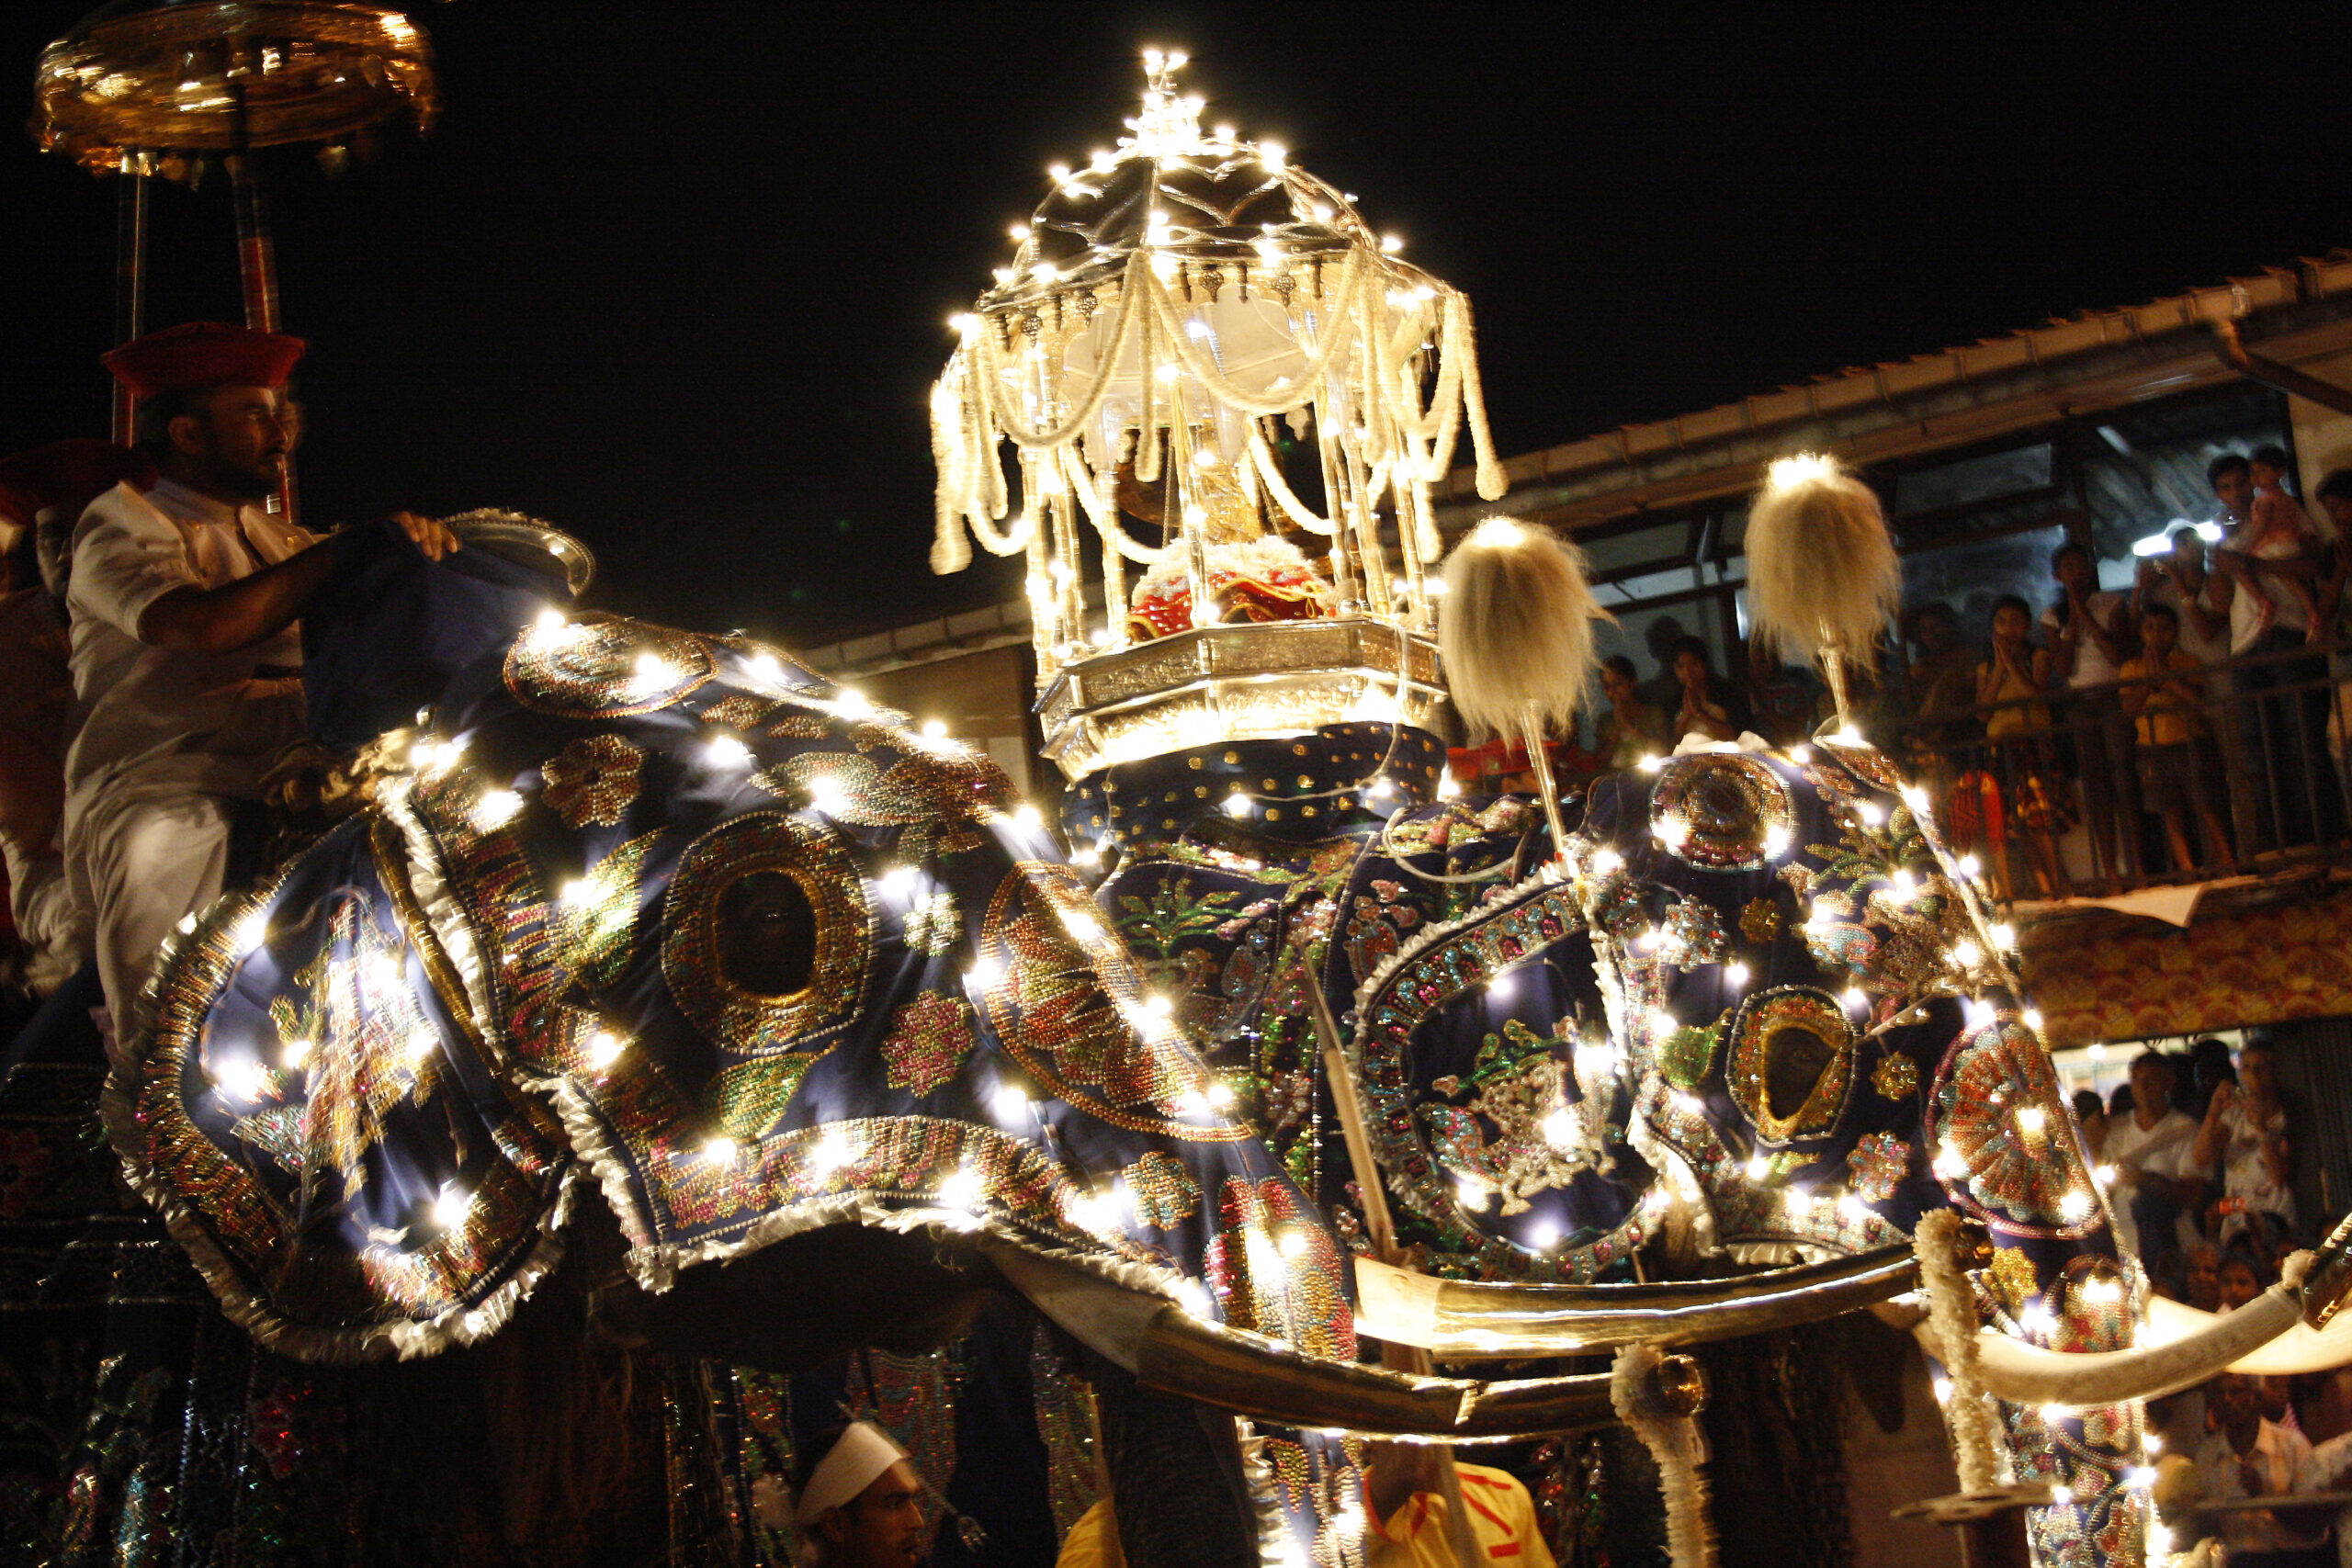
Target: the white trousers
pixel 152 856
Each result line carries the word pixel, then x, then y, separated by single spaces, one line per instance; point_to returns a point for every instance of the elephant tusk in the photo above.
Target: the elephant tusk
pixel 2028 1374
pixel 2293 1326
pixel 1462 1320
pixel 1171 1351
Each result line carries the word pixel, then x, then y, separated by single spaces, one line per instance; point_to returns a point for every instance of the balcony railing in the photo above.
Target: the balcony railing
pixel 2065 795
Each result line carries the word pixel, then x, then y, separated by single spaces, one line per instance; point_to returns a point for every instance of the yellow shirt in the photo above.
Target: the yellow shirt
pixel 2168 720
pixel 1502 1522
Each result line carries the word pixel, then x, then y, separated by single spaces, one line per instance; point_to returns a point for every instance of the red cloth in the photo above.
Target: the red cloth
pixel 204 353
pixel 67 475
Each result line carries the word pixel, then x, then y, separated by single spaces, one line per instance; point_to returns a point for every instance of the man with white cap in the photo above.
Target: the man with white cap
pixel 186 643
pixel 861 1503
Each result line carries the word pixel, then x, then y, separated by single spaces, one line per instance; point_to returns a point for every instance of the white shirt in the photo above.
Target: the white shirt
pixel 205 719
pixel 2288 612
pixel 2282 1459
pixel 2163 1149
pixel 2325 1471
pixel 2092 666
pixel 2244 1173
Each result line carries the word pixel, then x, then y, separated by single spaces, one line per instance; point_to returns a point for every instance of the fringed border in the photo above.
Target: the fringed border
pixel 119 1112
pixel 1952 1309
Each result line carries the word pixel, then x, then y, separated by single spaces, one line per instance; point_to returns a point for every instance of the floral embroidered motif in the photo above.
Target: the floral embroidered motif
pixel 930 1038
pixel 592 780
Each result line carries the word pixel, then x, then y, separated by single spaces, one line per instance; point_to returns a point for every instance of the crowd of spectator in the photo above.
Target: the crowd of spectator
pixel 2195 1154
pixel 2184 725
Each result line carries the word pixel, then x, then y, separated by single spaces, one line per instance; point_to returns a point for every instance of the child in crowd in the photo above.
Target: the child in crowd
pixel 2169 725
pixel 2279 530
pixel 2017 673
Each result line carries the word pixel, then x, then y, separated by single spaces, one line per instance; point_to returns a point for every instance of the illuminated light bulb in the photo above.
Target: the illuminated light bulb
pixel 1223 133
pixel 1821 914
pixel 851 700
pixel 2061 1494
pixel 1471 1194
pixel 964 324
pixel 653 672
pixel 763 667
pixel 1238 804
pixel 1192 1103
pixel 1942 1386
pixel 832 1152
pixel 451 1206
pixel 1664 1022
pixel 2031 1019
pixel 2075 1207
pixel 1204 459
pixel 1654 1201
pixel 1758 1168
pixel 496 809
pixel 1018 232
pixel 2141 1475
pixel 1647 941
pixel 726 751
pixel 1800 754
pixel 1081 925
pixel 1009 1102
pixel 1606 860
pixel 1086 854
pixel 1903 884
pixel 1853 1208
pixel 1195 516
pixel 1651 763
pixel 1799 1203
pixel 1272 155
pixel 1057 172
pixel 604 1049
pixel 1970 866
pixel 934 729
pixel 1322 210
pixel 1103 636
pixel 1776 841
pixel 549 623
pixel 1029 816
pixel 2159 1538
pixel 1966 953
pixel 1544 1237
pixel 825 794
pixel 1735 975
pixel 1559 1129
pixel 984 973
pixel 1446 788
pixel 2005 936
pixel 1854 1000
pixel 963 1190
pixel 2104 1175
pixel 1220 1096
pixel 2152 1443
pixel 2031 1120
pixel 2037 1318
pixel 1871 812
pixel 1687 1103
pixel 1391 244
pixel 248 1081
pixel 1673 832
pixel 1979 1013
pixel 578 891
pixel 421 1044
pixel 253 932
pixel 718 1150
pixel 1158 1007
pixel 294 1053
pixel 898 881
pixel 1292 1244
pixel 1046 272
pixel 1913 796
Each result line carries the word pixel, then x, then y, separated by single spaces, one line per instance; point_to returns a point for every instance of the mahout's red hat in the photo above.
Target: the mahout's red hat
pixel 204 353
pixel 67 475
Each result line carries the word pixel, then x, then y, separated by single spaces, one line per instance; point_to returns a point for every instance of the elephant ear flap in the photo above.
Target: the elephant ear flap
pixel 314 1114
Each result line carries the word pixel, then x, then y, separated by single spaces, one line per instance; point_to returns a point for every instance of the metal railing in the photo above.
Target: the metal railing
pixel 2068 793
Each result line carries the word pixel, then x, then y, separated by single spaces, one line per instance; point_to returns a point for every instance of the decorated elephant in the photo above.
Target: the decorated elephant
pixel 660 943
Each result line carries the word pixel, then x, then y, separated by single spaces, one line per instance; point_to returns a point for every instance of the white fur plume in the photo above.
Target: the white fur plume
pixel 1679 1449
pixel 1822 577
pixel 1515 626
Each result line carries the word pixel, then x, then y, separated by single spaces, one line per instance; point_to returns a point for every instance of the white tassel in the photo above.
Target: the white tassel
pixel 1675 1443
pixel 1822 574
pixel 1952 1310
pixel 1515 627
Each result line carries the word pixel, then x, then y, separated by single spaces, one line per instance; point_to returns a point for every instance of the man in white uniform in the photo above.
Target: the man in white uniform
pixel 2149 1150
pixel 186 648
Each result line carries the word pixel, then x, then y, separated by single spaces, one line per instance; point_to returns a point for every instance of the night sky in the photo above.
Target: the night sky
pixel 675 277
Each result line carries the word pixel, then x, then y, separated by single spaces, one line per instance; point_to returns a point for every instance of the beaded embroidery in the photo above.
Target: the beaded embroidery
pixel 592 780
